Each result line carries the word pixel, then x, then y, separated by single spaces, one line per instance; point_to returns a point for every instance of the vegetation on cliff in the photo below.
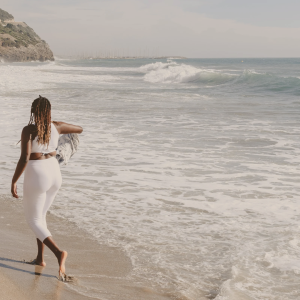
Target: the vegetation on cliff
pixel 19 42
pixel 23 36
pixel 5 15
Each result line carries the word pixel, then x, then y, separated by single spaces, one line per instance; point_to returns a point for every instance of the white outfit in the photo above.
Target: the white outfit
pixel 53 143
pixel 42 180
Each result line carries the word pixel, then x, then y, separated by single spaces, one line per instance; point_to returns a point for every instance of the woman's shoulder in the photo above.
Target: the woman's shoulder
pixel 28 130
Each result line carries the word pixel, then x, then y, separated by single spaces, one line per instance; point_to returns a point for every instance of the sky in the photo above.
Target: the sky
pixel 190 28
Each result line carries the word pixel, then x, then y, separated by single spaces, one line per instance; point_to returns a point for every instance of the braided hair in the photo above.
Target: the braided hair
pixel 41 118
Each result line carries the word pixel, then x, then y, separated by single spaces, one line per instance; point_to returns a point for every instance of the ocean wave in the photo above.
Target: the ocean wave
pixel 250 75
pixel 171 72
pixel 269 82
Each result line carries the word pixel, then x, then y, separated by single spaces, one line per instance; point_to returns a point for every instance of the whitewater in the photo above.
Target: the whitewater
pixel 190 166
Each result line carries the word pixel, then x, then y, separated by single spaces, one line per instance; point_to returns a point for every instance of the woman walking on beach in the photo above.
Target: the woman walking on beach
pixel 42 178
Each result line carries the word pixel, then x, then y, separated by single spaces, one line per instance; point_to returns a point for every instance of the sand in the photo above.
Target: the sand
pixel 100 272
pixel 10 291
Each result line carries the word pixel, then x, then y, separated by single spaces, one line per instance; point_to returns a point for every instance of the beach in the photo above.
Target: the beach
pixel 98 268
pixel 185 184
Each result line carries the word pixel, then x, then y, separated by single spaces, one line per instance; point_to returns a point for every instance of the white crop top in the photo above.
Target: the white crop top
pixel 53 143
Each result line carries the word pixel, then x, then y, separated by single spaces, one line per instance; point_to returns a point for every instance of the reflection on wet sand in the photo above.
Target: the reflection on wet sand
pixel 38 286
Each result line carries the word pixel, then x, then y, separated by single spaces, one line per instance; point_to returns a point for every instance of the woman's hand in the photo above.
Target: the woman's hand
pixel 14 190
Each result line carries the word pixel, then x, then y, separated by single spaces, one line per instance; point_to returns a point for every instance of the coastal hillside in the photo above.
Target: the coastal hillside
pixel 19 42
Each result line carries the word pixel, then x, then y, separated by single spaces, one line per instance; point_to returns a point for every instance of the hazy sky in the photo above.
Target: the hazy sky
pixel 192 28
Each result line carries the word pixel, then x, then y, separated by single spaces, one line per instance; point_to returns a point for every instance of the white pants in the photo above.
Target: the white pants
pixel 42 180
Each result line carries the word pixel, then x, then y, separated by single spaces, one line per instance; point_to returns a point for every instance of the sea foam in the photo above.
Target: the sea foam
pixel 172 72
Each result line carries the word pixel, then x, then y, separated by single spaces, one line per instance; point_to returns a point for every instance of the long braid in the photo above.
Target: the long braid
pixel 41 118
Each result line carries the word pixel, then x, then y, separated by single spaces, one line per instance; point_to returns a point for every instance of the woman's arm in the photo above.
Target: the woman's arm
pixel 24 158
pixel 64 128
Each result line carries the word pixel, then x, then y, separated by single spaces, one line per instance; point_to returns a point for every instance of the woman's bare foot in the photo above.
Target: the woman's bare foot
pixel 61 262
pixel 40 263
pixel 60 255
pixel 36 262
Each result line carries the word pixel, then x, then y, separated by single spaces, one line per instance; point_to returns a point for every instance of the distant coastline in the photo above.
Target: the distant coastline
pixel 118 57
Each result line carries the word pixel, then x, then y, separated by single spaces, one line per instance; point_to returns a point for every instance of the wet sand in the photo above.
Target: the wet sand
pixel 100 272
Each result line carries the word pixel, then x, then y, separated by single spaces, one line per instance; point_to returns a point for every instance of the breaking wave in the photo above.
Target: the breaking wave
pixel 172 72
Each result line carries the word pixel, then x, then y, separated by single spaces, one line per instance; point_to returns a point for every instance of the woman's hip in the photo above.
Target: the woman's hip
pixel 41 175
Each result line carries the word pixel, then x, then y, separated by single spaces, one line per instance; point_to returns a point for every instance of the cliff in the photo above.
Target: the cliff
pixel 19 42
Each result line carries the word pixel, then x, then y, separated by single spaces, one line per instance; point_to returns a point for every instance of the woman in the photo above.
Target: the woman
pixel 42 178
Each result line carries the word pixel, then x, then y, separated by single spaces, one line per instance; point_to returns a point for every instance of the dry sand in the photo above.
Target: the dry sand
pixel 100 272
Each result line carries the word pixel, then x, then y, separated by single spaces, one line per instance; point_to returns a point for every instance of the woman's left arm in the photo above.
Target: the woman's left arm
pixel 24 158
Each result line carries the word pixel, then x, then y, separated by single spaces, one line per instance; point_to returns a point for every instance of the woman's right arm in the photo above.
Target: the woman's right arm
pixel 24 158
pixel 65 128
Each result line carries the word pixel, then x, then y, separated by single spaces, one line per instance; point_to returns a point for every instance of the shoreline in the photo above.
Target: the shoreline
pixel 100 272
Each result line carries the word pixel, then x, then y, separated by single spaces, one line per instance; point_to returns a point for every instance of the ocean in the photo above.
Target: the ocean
pixel 190 166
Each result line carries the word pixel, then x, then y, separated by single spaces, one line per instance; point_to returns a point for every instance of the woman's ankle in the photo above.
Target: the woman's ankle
pixel 58 254
pixel 40 258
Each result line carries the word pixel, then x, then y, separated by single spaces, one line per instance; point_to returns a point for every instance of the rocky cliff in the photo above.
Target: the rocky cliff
pixel 19 42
